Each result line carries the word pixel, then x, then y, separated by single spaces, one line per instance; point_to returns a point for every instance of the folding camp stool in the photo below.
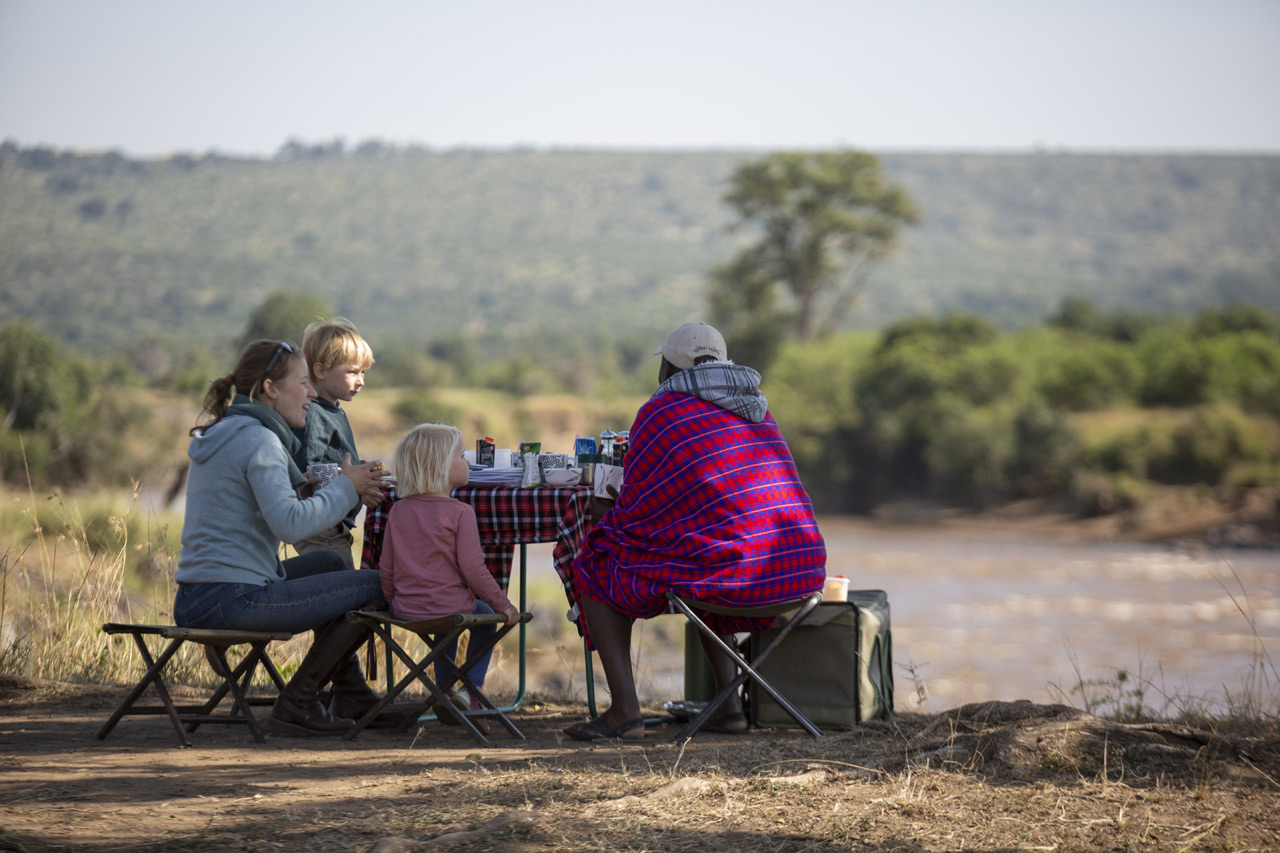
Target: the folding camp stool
pixel 236 681
pixel 746 668
pixel 436 632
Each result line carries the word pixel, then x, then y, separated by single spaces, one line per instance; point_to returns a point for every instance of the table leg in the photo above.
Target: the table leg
pixel 524 575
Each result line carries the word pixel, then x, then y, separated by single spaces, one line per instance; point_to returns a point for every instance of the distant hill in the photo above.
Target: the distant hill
pixel 105 253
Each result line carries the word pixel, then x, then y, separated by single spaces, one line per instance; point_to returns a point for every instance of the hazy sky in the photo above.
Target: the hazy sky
pixel 153 76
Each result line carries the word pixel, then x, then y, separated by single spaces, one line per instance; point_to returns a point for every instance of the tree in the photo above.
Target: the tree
pixel 284 315
pixel 33 379
pixel 823 220
pixel 1237 317
pixel 58 421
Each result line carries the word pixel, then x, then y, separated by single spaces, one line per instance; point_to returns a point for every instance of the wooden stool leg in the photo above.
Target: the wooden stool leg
pixel 439 688
pixel 417 672
pixel 438 633
pixel 472 657
pixel 237 681
pixel 270 667
pixel 153 676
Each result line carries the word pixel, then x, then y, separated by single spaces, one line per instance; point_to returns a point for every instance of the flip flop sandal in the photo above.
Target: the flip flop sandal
pixel 598 729
pixel 720 725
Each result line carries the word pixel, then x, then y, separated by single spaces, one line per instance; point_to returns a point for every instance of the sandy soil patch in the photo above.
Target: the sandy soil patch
pixel 990 776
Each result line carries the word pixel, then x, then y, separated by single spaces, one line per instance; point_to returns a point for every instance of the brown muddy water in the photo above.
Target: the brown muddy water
pixel 980 614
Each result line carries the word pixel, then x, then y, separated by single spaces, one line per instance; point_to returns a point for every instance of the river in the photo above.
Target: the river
pixel 988 612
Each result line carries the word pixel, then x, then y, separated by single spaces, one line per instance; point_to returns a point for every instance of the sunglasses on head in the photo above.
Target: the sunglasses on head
pixel 275 356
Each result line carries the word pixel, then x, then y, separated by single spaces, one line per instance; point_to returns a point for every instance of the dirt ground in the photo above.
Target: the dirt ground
pixel 992 776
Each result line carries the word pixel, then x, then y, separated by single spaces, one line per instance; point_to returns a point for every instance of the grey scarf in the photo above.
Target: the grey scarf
pixel 271 419
pixel 730 386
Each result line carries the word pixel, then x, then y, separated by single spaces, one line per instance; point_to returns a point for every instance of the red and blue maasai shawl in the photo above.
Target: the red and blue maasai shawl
pixel 712 507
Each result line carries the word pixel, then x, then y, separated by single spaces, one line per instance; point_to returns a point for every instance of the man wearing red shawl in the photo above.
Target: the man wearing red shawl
pixel 711 506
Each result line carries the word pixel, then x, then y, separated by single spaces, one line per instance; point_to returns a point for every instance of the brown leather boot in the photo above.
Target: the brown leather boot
pixel 352 696
pixel 297 711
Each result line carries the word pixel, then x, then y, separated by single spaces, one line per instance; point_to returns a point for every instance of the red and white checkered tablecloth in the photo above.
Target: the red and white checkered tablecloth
pixel 508 516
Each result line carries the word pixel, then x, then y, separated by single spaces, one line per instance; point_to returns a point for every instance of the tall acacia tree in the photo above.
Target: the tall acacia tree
pixel 822 220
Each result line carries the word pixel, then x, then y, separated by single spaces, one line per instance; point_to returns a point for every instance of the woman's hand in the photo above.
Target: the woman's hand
pixel 511 614
pixel 366 478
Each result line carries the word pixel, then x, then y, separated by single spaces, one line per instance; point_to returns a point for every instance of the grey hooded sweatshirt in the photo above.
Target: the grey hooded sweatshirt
pixel 241 505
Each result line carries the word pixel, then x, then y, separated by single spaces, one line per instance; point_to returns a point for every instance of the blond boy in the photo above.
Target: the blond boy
pixel 337 357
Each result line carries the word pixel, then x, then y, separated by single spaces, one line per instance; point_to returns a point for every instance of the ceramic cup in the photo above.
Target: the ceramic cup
pixel 327 472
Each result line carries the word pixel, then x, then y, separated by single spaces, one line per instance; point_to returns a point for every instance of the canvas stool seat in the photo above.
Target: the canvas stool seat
pixel 233 680
pixel 436 632
pixel 792 613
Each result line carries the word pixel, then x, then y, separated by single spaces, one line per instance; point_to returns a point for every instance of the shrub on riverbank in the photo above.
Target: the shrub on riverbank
pixel 947 409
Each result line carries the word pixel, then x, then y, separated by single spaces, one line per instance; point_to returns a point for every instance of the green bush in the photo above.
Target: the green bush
pixel 1180 450
pixel 952 334
pixel 956 415
pixel 1245 368
pixel 1205 448
pixel 1132 452
pixel 1176 370
pixel 64 421
pixel 1093 375
pixel 1080 315
pixel 1046 451
pixel 810 389
pixel 966 450
pixel 26 455
pixel 1236 318
pixel 904 376
pixel 988 374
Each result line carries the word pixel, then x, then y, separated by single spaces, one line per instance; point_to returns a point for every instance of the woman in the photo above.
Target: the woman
pixel 242 502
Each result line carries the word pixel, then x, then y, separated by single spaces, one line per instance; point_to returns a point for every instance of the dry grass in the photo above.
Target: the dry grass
pixel 992 776
pixel 58 585
pixel 989 776
pixel 61 580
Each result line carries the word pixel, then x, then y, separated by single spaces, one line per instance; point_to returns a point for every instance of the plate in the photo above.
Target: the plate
pixel 562 476
pixel 495 477
pixel 683 711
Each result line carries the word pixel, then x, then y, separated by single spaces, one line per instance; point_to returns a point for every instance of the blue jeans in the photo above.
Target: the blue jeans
pixel 446 665
pixel 318 588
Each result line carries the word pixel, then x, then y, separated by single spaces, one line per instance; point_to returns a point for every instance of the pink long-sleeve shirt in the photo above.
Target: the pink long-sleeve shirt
pixel 431 563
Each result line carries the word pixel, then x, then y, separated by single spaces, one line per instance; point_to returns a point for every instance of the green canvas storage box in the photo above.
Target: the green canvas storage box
pixel 836 666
